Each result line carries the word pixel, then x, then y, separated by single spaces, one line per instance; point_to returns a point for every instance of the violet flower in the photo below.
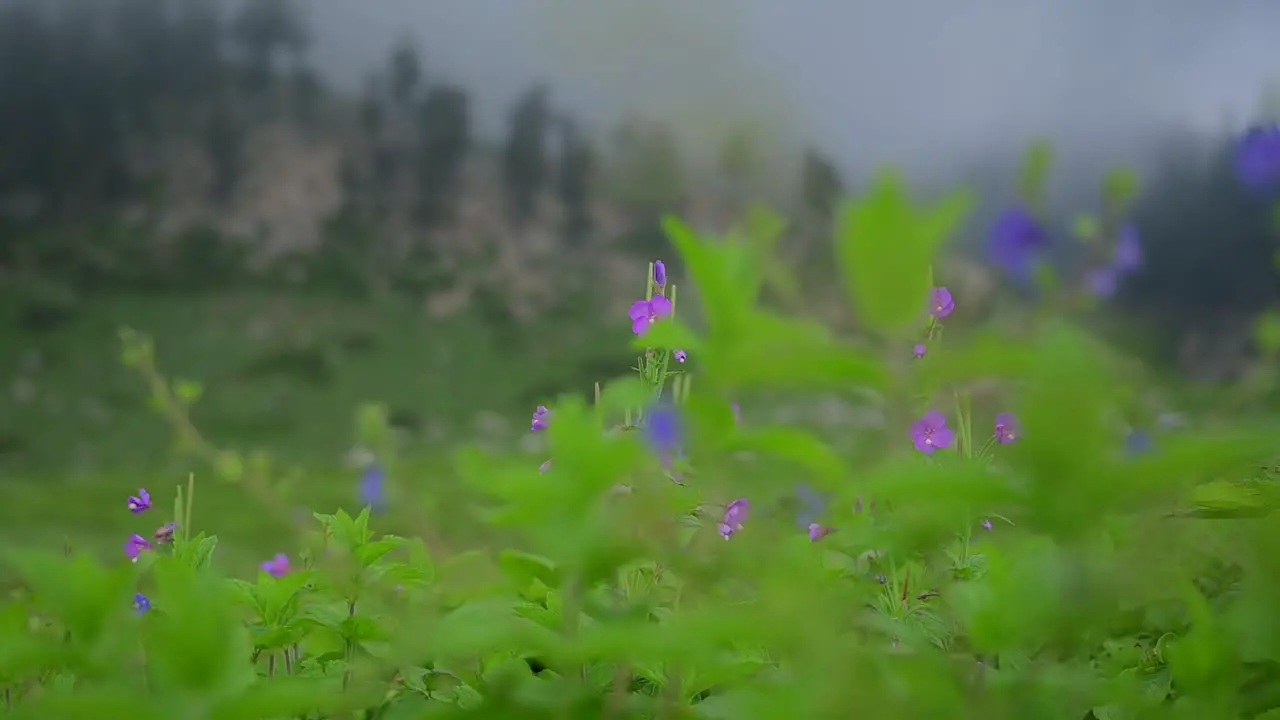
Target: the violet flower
pixel 372 488
pixel 931 433
pixel 644 313
pixel 141 502
pixel 541 417
pixel 277 567
pixel 735 514
pixel 141 604
pixel 941 303
pixel 1016 242
pixel 1128 257
pixel 817 532
pixel 659 275
pixel 663 430
pixel 1007 430
pixel 1257 158
pixel 919 350
pixel 134 546
pixel 681 356
pixel 986 523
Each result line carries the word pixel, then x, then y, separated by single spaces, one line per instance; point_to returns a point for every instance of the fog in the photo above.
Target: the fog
pixel 921 83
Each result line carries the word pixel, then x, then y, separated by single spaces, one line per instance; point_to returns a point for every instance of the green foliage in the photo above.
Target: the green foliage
pixel 980 574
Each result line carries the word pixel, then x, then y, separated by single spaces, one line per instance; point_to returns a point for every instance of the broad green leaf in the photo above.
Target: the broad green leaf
pixel 789 353
pixel 523 568
pixel 885 249
pixel 196 645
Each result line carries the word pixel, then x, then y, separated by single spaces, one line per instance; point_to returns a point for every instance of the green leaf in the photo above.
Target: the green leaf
pixel 197 552
pixel 885 249
pixel 1120 188
pixel 789 353
pixel 523 568
pixel 278 597
pixel 87 597
pixel 281 697
pixel 719 271
pixel 669 334
pixel 372 552
pixel 197 645
pixel 628 393
pixel 1037 165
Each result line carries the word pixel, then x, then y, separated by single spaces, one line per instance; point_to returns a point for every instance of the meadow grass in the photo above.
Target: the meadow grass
pixel 282 374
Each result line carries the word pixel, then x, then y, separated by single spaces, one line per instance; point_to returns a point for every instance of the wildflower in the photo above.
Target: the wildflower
pixel 141 603
pixel 930 433
pixel 812 505
pixel 645 313
pixel 735 514
pixel 662 430
pixel 371 488
pixel 681 356
pixel 546 465
pixel 737 413
pixel 277 566
pixel 920 350
pixel 986 523
pixel 659 275
pixel 1007 429
pixel 134 546
pixel 141 502
pixel 1258 158
pixel 164 534
pixel 940 303
pixel 541 416
pixel 1103 282
pixel 1138 443
pixel 1128 257
pixel 1017 240
pixel 817 532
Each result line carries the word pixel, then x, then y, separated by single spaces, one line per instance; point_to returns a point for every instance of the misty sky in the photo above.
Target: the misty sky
pixel 908 81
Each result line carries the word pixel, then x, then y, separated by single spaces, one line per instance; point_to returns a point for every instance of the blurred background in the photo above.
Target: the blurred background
pixel 399 225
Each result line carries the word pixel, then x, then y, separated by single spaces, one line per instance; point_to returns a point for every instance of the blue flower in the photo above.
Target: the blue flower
pixel 1016 242
pixel 664 432
pixel 1138 443
pixel 141 604
pixel 372 491
pixel 1257 158
pixel 812 505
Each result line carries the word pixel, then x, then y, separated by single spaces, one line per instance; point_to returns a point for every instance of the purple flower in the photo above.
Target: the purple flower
pixel 920 350
pixel 940 303
pixel 372 490
pixel 1258 158
pixel 737 413
pixel 930 433
pixel 546 465
pixel 1103 282
pixel 681 356
pixel 644 313
pixel 141 604
pixel 986 523
pixel 541 416
pixel 1016 242
pixel 141 502
pixel 134 546
pixel 1128 257
pixel 1007 429
pixel 817 532
pixel 164 534
pixel 662 430
pixel 659 275
pixel 735 514
pixel 277 566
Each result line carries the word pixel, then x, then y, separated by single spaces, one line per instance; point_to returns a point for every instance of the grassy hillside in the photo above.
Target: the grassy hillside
pixel 282 374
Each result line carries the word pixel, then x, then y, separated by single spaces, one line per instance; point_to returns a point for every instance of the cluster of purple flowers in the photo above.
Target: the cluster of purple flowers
pixel 1257 158
pixel 136 544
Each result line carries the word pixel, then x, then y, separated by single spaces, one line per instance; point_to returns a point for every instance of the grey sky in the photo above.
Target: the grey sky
pixel 908 81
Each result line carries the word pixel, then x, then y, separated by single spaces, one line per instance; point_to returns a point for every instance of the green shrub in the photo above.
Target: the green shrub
pixel 957 569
